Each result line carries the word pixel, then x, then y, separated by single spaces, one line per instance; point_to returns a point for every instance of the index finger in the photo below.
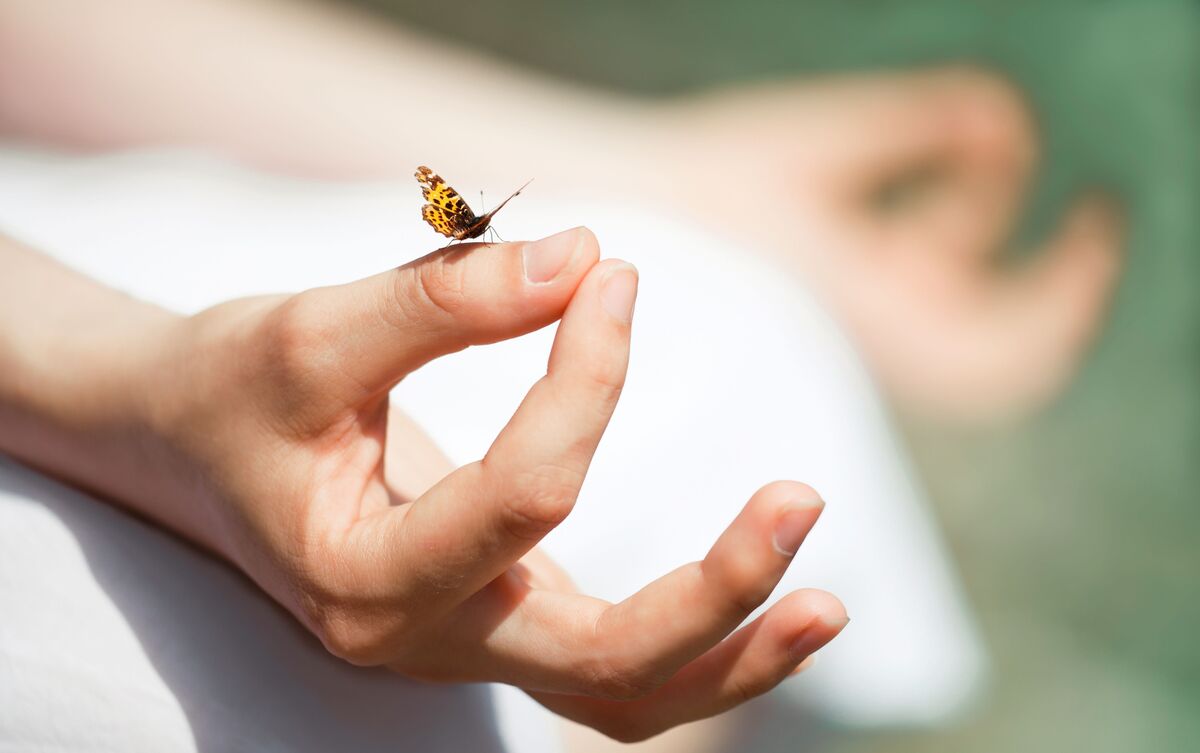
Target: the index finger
pixel 479 520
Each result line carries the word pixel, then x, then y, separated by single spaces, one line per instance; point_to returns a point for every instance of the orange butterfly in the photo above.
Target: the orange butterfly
pixel 447 213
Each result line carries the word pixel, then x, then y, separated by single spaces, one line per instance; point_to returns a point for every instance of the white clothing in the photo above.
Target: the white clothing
pixel 117 636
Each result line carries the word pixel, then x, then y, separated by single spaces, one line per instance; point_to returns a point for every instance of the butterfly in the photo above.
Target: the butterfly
pixel 447 213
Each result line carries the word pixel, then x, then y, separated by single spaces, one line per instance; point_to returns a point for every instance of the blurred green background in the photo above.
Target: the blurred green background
pixel 1078 533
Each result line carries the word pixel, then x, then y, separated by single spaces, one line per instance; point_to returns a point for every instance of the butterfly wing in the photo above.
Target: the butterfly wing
pixel 439 219
pixel 446 212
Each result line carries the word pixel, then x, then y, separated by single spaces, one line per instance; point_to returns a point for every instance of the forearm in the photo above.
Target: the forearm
pixel 299 87
pixel 75 358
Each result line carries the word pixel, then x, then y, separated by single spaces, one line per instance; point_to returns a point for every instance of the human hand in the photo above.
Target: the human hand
pixel 949 327
pixel 266 427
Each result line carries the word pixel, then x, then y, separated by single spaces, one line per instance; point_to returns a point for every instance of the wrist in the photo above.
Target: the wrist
pixel 74 387
pixel 80 382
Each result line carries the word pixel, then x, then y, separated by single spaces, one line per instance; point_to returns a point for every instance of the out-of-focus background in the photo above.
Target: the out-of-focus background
pixel 1077 530
pixel 1074 521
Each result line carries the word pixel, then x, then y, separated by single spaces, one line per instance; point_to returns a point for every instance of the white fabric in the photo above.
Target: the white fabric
pixel 116 636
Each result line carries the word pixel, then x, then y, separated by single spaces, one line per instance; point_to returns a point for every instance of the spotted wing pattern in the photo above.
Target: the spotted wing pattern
pixel 448 214
pixel 445 210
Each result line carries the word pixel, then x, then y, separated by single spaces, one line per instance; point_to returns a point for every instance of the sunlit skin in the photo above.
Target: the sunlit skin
pixel 261 430
pixel 948 331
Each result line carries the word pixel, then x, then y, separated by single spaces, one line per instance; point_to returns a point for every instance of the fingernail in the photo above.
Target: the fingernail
pixel 807 662
pixel 544 259
pixel 618 291
pixel 793 525
pixel 802 646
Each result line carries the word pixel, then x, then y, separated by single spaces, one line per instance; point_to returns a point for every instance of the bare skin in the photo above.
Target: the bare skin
pixel 260 429
pixel 950 328
pixel 947 330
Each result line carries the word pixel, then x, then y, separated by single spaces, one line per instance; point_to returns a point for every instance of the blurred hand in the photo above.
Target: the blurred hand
pixel 271 415
pixel 948 327
pixel 795 167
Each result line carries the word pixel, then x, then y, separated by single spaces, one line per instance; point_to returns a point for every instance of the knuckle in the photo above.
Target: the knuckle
pixel 741 690
pixel 740 581
pixel 347 638
pixel 436 284
pixel 357 627
pixel 620 681
pixel 1001 115
pixel 540 500
pixel 605 384
pixel 294 323
pixel 749 598
pixel 297 338
pixel 292 358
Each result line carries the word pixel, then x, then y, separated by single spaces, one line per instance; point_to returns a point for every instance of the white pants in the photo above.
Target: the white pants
pixel 116 636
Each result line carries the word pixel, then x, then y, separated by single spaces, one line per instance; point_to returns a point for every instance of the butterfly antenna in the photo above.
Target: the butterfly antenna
pixel 510 198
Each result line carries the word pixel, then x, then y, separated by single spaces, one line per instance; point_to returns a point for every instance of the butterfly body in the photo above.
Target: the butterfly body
pixel 447 213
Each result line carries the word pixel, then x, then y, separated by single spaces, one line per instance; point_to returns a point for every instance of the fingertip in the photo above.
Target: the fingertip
pixel 560 256
pixel 618 290
pixel 608 267
pixel 830 611
pixel 589 243
pixel 782 512
pixel 819 604
pixel 815 616
pixel 779 493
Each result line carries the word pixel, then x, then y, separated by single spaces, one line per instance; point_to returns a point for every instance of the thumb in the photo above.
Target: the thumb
pixel 394 322
pixel 960 120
